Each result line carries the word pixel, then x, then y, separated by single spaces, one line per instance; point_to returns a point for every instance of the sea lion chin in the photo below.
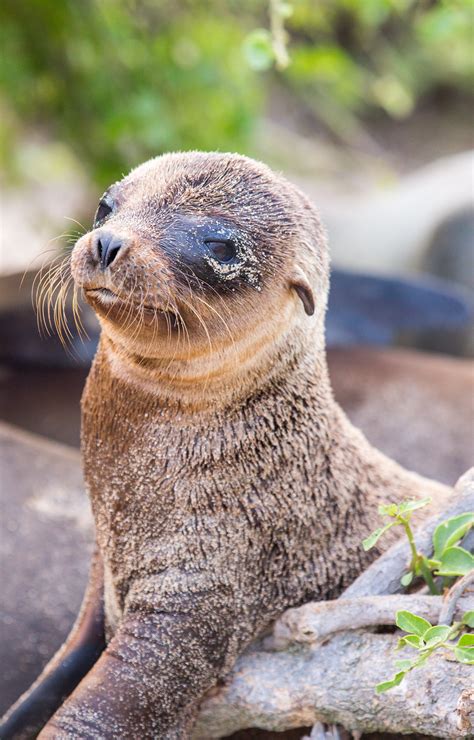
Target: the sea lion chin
pixel 226 483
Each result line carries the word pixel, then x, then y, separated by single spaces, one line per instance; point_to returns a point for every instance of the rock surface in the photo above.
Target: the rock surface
pixel 45 544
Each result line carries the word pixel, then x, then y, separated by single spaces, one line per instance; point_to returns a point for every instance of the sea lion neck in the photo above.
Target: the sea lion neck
pixel 217 380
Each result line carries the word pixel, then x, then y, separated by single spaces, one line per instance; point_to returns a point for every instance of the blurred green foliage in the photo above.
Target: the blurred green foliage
pixel 123 80
pixel 351 58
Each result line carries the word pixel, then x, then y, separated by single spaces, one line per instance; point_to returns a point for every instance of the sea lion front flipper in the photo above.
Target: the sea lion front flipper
pixel 66 669
pixel 166 653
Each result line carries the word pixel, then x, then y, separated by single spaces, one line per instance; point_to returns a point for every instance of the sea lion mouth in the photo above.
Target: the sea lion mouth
pixel 107 297
pixel 103 294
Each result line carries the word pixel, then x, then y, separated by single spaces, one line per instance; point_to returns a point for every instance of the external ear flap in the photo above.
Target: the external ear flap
pixel 299 283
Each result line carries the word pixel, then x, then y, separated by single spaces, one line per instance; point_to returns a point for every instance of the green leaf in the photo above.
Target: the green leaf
pixel 468 618
pixel 411 623
pixel 407 578
pixel 464 655
pixel 373 538
pixel 407 506
pixel 258 49
pixel 436 634
pixel 386 685
pixel 456 561
pixel 402 665
pixel 422 658
pixel 465 640
pixel 411 640
pixel 451 531
pixel 388 509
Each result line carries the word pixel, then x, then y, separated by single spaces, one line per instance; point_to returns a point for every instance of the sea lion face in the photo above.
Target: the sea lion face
pixel 190 248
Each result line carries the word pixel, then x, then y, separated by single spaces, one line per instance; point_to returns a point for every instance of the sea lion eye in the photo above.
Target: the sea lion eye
pixel 223 250
pixel 104 210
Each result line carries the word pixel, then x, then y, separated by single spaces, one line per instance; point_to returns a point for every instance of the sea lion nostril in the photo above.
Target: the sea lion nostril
pixel 108 247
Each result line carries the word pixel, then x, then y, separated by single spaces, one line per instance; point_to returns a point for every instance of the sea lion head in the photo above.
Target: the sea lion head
pixel 190 252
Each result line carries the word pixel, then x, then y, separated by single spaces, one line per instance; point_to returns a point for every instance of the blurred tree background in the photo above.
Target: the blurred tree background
pixel 118 81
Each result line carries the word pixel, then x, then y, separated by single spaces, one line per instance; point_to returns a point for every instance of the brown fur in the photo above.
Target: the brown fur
pixel 226 483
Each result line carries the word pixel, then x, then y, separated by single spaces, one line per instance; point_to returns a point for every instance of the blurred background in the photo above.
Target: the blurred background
pixel 355 100
pixel 367 105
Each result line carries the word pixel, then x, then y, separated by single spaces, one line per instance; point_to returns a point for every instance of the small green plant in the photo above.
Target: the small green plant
pixel 449 559
pixel 426 639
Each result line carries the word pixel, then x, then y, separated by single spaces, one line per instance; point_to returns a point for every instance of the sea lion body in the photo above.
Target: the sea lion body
pixel 256 497
pixel 226 483
pixel 220 520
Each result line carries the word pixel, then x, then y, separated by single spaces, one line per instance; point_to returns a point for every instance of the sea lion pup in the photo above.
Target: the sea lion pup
pixel 226 483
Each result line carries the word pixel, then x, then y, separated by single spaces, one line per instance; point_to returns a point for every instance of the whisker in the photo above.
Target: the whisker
pixel 49 293
pixel 204 326
pixel 43 295
pixel 76 312
pixel 221 319
pixel 83 228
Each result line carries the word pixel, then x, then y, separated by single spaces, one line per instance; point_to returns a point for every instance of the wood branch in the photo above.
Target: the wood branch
pixel 314 622
pixel 334 683
pixel 310 683
pixel 453 600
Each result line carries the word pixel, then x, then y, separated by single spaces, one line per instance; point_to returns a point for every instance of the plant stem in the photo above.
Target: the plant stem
pixel 426 573
pixel 417 559
pixel 411 540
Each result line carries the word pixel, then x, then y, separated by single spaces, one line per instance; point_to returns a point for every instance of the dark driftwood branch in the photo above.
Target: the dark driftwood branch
pixel 334 682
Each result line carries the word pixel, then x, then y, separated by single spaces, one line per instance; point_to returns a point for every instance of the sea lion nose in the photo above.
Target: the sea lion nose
pixel 107 248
